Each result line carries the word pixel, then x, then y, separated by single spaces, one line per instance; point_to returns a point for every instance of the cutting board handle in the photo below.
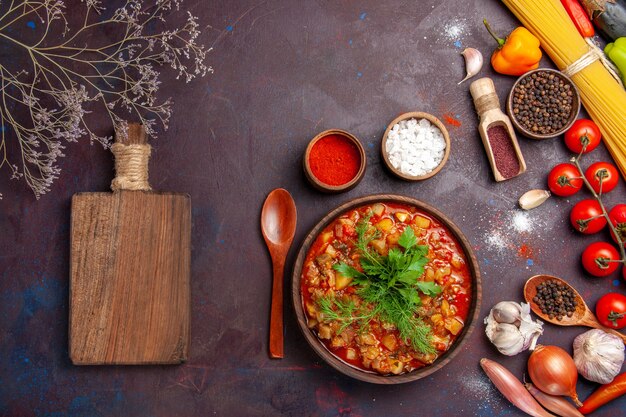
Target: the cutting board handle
pixel 135 135
pixel 132 154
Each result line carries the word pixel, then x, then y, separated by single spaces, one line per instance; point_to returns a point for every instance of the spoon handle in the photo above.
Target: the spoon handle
pixel 590 321
pixel 615 332
pixel 276 311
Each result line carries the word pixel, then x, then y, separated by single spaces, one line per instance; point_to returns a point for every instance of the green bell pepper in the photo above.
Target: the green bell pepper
pixel 616 52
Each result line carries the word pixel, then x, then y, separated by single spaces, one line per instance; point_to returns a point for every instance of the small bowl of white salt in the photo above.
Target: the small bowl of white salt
pixel 415 146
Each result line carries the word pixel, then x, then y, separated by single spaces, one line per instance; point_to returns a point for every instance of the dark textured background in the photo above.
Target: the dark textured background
pixel 284 71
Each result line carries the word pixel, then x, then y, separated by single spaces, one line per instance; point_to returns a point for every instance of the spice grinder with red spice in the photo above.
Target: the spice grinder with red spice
pixel 334 161
pixel 496 131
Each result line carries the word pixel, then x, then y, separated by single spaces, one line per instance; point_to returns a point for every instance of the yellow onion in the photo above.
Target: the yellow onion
pixel 553 371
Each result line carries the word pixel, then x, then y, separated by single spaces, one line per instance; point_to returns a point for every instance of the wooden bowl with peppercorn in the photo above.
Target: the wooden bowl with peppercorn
pixel 334 161
pixel 543 103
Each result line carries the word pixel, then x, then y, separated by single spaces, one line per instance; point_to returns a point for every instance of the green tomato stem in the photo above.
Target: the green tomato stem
pixel 620 243
pixel 594 217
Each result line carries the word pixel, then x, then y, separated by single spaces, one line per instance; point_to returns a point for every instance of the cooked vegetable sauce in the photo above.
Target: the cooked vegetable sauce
pixel 377 346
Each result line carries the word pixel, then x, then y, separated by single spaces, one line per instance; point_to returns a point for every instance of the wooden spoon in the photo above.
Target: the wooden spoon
pixel 583 316
pixel 278 224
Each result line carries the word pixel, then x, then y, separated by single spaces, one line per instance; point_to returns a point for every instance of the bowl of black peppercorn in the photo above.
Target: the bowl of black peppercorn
pixel 543 103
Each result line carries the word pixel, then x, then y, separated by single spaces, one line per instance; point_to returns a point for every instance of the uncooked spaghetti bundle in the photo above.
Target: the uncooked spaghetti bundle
pixel 602 96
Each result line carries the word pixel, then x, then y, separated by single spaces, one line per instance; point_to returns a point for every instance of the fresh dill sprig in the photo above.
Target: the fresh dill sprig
pixel 344 311
pixel 391 284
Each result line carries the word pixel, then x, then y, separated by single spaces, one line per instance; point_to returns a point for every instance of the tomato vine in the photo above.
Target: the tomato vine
pixel 605 213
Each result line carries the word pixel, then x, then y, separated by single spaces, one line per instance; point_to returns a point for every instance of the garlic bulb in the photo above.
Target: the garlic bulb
pixel 473 62
pixel 511 329
pixel 507 312
pixel 598 355
pixel 507 339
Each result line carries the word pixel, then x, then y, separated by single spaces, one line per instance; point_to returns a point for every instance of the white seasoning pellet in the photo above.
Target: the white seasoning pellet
pixel 415 147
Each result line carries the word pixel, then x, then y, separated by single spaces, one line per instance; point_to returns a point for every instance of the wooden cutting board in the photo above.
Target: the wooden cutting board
pixel 130 265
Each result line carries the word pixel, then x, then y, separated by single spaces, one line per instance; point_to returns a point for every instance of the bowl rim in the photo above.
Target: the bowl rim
pixel 347 369
pixel 573 116
pixel 415 115
pixel 321 186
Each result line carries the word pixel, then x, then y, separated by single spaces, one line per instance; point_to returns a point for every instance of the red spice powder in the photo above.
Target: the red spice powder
pixel 334 160
pixel 503 151
pixel 525 252
pixel 451 120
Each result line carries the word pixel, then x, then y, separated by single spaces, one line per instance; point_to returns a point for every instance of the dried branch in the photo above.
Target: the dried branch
pixel 44 101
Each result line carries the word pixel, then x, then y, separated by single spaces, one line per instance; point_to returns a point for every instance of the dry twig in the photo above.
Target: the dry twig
pixel 44 103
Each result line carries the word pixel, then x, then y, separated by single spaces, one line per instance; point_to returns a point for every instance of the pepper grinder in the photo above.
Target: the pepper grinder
pixel 496 131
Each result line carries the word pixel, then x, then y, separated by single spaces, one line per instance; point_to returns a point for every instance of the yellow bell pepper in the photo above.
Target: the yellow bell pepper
pixel 517 54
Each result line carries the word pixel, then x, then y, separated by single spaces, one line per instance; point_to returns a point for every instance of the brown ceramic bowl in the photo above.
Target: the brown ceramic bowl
pixel 415 115
pixel 327 188
pixel 572 117
pixel 347 369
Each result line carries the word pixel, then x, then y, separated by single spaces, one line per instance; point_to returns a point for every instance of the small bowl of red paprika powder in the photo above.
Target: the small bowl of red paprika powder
pixel 334 161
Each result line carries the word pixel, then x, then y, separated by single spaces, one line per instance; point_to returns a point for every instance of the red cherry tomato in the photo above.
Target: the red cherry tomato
pixel 597 259
pixel 584 134
pixel 618 218
pixel 586 217
pixel 564 180
pixel 604 172
pixel 611 310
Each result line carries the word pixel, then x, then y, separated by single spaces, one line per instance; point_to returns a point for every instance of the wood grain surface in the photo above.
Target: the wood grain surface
pixel 129 278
